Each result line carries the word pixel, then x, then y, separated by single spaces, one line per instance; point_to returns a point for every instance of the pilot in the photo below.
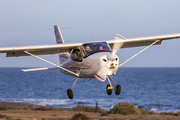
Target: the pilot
pixel 100 47
pixel 88 48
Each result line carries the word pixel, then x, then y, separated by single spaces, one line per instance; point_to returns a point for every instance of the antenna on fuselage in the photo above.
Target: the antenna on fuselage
pixel 92 35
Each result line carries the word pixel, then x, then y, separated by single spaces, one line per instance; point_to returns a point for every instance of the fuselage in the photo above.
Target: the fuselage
pixel 102 62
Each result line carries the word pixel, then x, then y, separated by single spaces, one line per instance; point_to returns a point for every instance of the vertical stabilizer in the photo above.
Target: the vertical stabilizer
pixel 60 40
pixel 58 35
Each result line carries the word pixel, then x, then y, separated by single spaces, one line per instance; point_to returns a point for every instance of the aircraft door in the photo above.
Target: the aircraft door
pixel 76 55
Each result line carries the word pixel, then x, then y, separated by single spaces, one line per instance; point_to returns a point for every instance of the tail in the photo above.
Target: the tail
pixel 58 35
pixel 60 40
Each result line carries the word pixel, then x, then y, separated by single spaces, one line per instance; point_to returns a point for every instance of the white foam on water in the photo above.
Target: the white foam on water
pixel 111 107
pixel 49 102
pixel 155 109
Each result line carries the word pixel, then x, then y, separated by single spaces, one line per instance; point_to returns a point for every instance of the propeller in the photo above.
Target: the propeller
pixel 118 45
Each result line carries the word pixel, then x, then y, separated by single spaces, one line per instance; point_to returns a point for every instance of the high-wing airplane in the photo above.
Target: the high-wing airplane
pixel 86 60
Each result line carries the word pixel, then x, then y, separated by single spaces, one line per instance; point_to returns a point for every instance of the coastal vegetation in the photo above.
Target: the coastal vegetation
pixel 80 116
pixel 129 109
pixel 120 108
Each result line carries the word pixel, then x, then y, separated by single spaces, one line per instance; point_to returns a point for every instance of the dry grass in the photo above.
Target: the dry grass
pixel 3 107
pixel 43 108
pixel 120 108
pixel 24 106
pixel 167 113
pixel 146 112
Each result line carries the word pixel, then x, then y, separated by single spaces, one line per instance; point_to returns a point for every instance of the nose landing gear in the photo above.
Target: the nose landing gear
pixel 109 91
pixel 109 87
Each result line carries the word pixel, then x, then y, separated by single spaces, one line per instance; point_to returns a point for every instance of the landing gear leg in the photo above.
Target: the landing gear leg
pixel 117 88
pixel 70 92
pixel 109 87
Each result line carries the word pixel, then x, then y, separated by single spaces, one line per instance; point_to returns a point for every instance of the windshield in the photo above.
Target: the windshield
pixel 91 48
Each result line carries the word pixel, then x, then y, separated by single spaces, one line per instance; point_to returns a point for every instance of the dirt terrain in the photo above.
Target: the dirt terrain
pixel 25 111
pixel 67 115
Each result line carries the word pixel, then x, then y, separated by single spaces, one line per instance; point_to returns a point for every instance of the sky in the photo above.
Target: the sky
pixel 30 22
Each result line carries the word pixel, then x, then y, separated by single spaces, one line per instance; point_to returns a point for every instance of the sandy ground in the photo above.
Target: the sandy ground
pixel 67 115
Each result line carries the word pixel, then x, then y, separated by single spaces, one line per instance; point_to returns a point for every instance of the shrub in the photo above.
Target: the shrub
pixel 104 114
pixel 9 118
pixel 80 116
pixel 44 119
pixel 2 116
pixel 178 113
pixel 83 108
pixel 167 113
pixel 125 109
pixel 146 112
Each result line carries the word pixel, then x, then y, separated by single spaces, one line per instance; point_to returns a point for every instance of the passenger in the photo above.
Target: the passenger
pixel 88 48
pixel 101 48
pixel 77 55
pixel 77 52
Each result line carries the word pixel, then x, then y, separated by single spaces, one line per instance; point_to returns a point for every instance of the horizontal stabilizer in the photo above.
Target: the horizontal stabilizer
pixel 38 69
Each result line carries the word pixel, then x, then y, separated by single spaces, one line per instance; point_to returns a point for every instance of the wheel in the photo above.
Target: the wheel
pixel 109 91
pixel 118 89
pixel 70 93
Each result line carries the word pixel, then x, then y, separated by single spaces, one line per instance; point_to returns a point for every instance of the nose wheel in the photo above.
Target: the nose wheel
pixel 109 91
pixel 109 87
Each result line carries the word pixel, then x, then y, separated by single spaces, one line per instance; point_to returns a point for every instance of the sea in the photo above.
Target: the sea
pixel 155 89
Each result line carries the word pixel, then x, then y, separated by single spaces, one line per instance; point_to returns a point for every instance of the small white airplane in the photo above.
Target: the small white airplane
pixel 86 60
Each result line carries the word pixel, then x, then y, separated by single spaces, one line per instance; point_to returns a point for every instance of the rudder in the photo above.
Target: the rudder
pixel 58 35
pixel 60 40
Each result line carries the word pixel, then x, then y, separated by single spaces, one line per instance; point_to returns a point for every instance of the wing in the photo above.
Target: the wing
pixel 66 48
pixel 39 50
pixel 136 42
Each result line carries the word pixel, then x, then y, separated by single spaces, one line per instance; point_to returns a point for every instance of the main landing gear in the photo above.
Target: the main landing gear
pixel 70 92
pixel 109 87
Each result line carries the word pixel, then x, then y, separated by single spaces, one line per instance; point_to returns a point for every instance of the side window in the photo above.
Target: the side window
pixel 83 52
pixel 76 56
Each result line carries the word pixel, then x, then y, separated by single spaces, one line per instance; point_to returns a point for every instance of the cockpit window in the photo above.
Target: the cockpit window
pixel 91 48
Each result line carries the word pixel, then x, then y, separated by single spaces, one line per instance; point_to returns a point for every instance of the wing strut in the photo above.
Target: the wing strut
pixel 139 52
pixel 51 63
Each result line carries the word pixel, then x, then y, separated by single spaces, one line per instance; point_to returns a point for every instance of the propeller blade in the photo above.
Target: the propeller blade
pixel 117 46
